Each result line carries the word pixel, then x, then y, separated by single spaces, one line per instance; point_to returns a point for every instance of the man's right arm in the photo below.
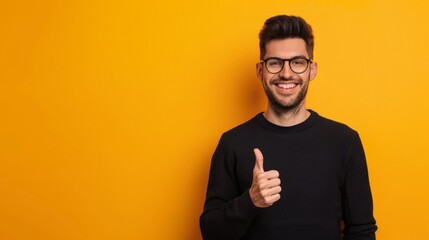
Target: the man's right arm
pixel 228 213
pixel 229 221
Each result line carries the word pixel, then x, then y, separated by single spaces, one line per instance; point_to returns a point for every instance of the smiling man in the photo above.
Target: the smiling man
pixel 288 173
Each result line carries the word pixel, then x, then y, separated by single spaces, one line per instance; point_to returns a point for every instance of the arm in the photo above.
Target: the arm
pixel 227 213
pixel 357 199
pixel 229 221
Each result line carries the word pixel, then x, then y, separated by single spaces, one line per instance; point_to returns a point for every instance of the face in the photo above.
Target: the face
pixel 286 90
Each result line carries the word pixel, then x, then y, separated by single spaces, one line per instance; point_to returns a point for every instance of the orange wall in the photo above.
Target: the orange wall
pixel 110 110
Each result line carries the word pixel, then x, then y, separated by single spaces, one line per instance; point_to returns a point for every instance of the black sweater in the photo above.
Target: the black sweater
pixel 324 180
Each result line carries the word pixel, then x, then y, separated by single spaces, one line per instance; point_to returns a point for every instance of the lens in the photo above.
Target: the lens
pixel 274 65
pixel 298 65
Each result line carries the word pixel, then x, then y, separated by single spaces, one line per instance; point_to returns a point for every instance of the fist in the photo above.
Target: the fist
pixel 265 189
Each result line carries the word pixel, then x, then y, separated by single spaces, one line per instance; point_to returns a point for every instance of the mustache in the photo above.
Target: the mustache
pixel 286 79
pixel 283 79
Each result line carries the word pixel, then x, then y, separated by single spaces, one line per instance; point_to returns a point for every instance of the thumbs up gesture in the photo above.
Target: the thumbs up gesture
pixel 265 189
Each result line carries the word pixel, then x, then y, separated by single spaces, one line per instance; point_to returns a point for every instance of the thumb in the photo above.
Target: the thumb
pixel 259 160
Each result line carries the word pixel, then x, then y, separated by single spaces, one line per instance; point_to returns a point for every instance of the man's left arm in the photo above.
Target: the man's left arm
pixel 357 198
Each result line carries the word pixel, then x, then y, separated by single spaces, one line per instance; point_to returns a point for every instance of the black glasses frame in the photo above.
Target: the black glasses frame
pixel 289 60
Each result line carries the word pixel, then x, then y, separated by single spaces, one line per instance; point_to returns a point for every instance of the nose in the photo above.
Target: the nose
pixel 286 72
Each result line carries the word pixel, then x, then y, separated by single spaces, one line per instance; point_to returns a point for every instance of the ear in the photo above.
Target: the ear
pixel 313 70
pixel 259 70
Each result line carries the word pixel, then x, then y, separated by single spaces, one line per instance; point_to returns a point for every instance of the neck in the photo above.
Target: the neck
pixel 288 118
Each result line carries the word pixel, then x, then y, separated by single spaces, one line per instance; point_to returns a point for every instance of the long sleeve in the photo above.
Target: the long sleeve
pixel 357 199
pixel 324 180
pixel 227 212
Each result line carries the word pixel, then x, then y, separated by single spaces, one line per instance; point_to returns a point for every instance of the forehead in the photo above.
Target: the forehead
pixel 286 48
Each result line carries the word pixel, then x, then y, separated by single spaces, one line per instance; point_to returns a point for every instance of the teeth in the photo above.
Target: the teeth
pixel 287 85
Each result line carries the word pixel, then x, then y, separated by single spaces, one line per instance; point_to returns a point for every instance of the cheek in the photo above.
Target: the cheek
pixel 305 77
pixel 268 79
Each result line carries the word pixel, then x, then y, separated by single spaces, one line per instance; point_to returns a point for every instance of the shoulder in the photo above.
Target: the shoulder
pixel 340 135
pixel 336 128
pixel 243 131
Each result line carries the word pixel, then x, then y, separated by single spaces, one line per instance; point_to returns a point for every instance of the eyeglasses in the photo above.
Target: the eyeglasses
pixel 297 64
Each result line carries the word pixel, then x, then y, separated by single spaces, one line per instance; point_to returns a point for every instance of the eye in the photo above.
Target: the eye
pixel 298 62
pixel 274 63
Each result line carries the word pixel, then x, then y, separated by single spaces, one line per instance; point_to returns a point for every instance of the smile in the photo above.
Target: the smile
pixel 286 85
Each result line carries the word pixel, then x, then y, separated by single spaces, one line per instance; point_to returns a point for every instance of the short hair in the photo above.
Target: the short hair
pixel 283 27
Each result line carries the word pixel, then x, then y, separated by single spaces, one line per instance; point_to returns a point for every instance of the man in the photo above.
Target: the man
pixel 288 173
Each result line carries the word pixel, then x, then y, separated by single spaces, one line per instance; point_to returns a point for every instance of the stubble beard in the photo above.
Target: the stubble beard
pixel 281 107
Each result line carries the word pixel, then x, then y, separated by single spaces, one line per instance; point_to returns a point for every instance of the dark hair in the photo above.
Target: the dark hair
pixel 283 27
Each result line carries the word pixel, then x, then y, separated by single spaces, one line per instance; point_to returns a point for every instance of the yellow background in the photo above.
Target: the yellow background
pixel 111 110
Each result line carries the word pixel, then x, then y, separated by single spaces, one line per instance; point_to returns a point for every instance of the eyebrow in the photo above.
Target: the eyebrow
pixel 298 56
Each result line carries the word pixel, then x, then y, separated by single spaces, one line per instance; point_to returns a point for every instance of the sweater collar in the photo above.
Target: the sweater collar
pixel 281 129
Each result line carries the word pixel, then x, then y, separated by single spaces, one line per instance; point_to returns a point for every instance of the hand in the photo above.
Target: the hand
pixel 265 189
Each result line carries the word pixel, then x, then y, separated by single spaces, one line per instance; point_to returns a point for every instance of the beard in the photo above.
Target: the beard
pixel 284 106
